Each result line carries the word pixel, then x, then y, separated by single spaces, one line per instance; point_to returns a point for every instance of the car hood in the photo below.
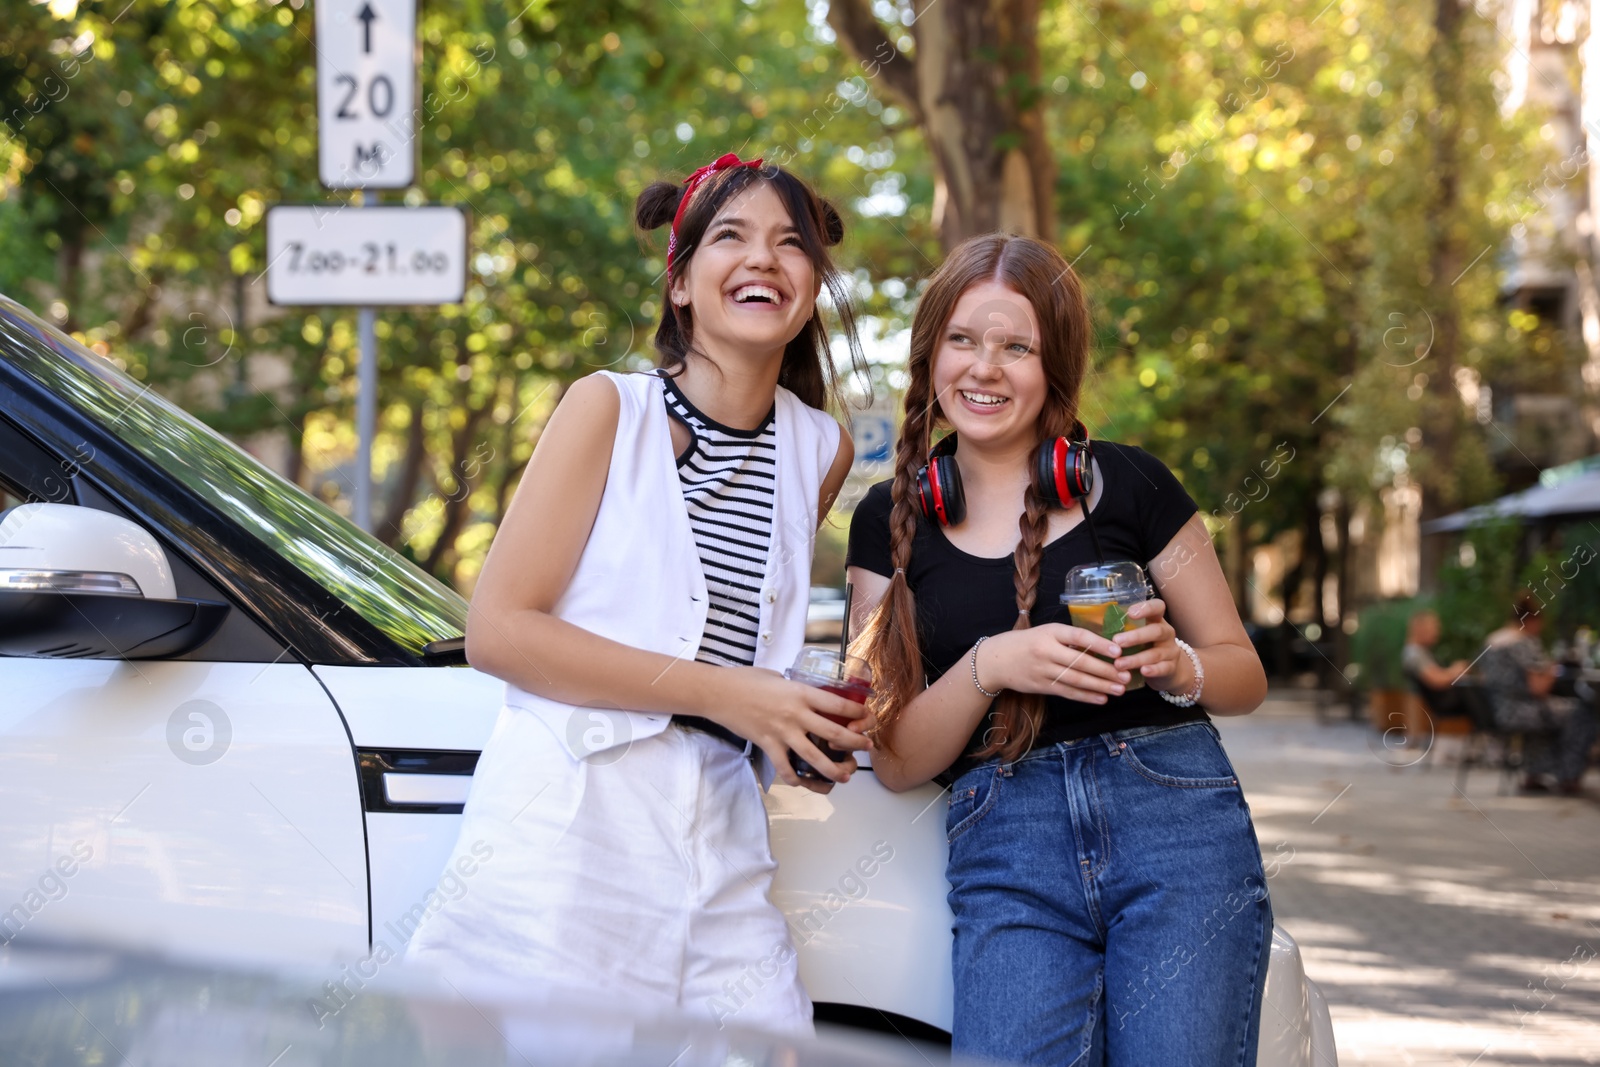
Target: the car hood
pixel 81 1004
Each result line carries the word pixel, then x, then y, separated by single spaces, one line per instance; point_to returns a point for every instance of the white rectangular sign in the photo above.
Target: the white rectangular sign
pixel 366 93
pixel 366 256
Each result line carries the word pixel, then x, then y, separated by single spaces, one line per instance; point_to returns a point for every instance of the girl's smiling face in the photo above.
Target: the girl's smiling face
pixel 988 378
pixel 749 286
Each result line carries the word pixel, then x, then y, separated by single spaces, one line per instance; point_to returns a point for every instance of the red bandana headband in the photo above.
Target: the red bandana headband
pixel 694 182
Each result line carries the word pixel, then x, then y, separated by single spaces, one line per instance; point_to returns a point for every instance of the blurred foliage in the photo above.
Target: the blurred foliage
pixel 1378 642
pixel 1243 187
pixel 1476 588
pixel 1565 579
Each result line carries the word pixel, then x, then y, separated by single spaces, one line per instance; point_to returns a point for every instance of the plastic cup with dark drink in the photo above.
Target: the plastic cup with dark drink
pixel 1098 597
pixel 841 675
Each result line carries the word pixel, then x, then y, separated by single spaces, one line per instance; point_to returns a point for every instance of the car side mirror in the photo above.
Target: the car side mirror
pixel 76 583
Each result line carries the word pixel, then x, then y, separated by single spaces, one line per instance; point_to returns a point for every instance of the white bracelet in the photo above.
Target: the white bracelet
pixel 974 658
pixel 1190 699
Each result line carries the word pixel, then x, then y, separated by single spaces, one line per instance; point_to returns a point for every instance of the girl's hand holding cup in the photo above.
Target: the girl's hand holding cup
pixel 1158 660
pixel 1118 639
pixel 780 716
pixel 842 675
pixel 1055 660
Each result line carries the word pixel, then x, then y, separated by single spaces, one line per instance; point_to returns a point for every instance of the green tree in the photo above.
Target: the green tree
pixel 1253 194
pixel 968 75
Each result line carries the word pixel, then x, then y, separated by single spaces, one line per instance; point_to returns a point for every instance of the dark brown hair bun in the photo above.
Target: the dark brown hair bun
pixel 833 225
pixel 657 204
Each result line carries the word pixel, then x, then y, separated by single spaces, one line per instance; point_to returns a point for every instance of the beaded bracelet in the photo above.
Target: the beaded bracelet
pixel 1190 699
pixel 974 658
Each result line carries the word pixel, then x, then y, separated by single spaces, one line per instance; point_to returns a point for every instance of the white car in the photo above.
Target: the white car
pixel 825 615
pixel 233 725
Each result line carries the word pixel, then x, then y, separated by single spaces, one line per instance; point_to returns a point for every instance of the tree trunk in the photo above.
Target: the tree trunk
pixel 972 86
pixel 405 488
pixel 295 463
pixel 511 473
pixel 140 317
pixel 468 472
pixel 503 489
pixel 1314 554
pixel 1235 563
pixel 69 266
pixel 1319 562
pixel 1342 560
pixel 1444 268
pixel 1293 578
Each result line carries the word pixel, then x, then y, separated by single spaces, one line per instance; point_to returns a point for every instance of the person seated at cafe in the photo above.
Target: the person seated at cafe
pixel 1433 683
pixel 1558 731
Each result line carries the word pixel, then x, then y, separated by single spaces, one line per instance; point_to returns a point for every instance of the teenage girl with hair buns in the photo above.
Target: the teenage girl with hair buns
pixel 647 586
pixel 1109 900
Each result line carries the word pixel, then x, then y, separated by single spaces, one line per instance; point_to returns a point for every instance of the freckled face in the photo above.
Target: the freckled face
pixel 988 377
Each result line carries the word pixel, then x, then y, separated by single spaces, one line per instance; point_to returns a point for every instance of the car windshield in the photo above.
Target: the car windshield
pixel 384 587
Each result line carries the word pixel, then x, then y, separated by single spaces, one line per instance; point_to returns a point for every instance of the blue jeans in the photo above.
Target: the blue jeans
pixel 1110 904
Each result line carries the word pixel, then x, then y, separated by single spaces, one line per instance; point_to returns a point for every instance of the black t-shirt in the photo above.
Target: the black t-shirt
pixel 961 597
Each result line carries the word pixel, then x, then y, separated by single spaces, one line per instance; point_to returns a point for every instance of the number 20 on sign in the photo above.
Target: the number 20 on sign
pixel 366 93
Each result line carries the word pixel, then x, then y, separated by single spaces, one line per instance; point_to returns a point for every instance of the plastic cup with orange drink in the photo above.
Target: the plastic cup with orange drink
pixel 1098 597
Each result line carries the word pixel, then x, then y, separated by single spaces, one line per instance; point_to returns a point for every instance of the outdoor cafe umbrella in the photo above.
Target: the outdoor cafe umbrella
pixel 1557 495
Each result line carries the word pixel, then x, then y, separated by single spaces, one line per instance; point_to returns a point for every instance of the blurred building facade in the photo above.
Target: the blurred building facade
pixel 1551 415
pixel 1545 410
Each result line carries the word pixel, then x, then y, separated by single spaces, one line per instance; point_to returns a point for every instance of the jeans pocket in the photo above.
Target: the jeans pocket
pixel 1184 757
pixel 971 798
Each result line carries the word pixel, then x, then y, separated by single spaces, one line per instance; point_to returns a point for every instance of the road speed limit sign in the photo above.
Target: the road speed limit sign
pixel 366 93
pixel 367 256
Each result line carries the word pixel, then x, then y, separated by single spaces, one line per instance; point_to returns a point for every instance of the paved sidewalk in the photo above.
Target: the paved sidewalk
pixel 1444 928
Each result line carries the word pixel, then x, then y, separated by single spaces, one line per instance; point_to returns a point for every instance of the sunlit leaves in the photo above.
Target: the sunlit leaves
pixel 1243 188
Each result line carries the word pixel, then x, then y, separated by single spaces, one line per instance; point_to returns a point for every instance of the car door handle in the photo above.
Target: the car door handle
pixel 415 780
pixel 427 790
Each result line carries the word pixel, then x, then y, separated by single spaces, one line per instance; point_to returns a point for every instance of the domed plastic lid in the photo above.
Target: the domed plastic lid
pixel 1124 582
pixel 827 664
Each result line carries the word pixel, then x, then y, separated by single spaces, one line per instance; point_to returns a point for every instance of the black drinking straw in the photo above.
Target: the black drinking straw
pixel 1099 553
pixel 844 629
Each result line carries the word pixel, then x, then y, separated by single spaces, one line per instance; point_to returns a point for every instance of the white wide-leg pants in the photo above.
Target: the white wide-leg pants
pixel 641 874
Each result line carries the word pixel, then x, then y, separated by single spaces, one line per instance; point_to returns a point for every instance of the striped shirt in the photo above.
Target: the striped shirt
pixel 728 478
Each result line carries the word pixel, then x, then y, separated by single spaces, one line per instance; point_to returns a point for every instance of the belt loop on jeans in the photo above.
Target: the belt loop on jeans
pixel 1113 746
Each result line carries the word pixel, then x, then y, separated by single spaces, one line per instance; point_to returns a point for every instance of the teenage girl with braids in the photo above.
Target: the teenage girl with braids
pixel 656 559
pixel 1108 894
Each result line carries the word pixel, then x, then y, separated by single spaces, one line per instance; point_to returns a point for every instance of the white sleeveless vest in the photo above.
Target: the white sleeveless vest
pixel 639 579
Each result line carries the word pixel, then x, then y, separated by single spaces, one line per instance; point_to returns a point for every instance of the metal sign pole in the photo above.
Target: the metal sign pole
pixel 366 416
pixel 366 90
pixel 380 255
pixel 366 86
pixel 366 407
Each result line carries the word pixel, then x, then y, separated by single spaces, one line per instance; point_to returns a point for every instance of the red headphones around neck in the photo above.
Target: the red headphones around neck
pixel 1063 474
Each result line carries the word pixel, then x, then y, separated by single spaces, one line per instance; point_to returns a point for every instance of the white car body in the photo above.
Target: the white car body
pixel 258 857
pixel 290 810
